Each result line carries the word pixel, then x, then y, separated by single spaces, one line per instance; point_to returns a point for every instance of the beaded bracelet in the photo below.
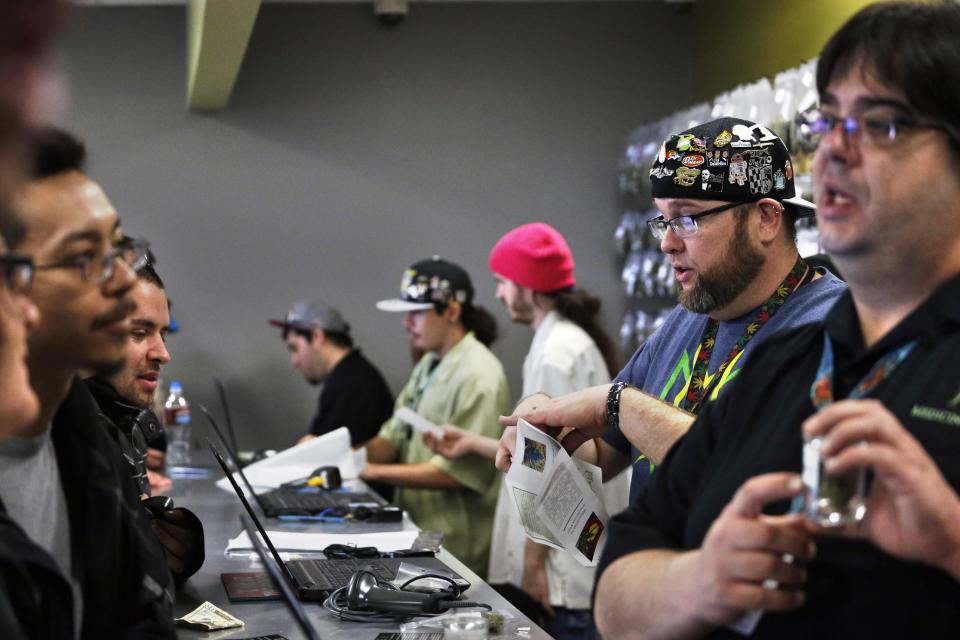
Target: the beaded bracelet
pixel 613 404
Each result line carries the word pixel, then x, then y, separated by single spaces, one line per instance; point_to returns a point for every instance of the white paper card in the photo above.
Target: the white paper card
pixel 298 461
pixel 418 422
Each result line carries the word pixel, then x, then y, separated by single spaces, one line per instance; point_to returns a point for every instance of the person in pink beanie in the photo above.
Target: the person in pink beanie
pixel 570 351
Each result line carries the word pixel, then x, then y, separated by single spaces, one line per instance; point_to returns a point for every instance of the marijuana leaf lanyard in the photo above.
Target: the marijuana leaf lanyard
pixel 699 389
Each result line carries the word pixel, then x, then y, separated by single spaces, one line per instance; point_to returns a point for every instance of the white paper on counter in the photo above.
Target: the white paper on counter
pixel 312 542
pixel 298 461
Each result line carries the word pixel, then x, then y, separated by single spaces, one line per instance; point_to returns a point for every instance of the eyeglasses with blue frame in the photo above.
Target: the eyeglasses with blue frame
pixel 879 126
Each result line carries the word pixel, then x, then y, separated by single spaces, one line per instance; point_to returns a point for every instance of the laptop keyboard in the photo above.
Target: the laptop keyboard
pixel 337 573
pixel 280 500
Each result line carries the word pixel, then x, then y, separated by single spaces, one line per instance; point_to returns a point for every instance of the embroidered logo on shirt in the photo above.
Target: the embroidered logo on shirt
pixel 936 415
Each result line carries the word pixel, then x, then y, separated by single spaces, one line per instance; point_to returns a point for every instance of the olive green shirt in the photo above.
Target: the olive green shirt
pixel 466 388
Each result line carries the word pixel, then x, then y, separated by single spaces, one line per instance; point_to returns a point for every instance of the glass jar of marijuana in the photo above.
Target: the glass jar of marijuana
pixel 831 500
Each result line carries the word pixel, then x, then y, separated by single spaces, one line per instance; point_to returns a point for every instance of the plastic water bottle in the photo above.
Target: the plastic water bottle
pixel 176 419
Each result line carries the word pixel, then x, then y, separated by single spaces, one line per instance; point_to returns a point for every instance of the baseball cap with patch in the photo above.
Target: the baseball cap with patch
pixel 726 159
pixel 429 284
pixel 312 314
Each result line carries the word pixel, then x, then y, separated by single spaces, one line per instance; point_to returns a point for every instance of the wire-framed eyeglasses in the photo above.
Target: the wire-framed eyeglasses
pixel 98 269
pixel 684 226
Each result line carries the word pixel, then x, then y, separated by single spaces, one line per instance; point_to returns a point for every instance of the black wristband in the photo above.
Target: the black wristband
pixel 613 404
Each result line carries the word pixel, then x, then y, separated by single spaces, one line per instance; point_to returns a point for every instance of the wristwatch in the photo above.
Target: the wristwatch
pixel 613 404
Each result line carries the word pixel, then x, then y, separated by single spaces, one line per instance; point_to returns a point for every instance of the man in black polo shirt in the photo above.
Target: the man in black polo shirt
pixel 354 393
pixel 709 545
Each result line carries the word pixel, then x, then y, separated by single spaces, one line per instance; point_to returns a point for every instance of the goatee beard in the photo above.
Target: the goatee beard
pixel 738 268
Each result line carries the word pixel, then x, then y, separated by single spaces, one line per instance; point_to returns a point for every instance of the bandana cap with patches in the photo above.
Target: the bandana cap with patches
pixel 727 159
pixel 431 283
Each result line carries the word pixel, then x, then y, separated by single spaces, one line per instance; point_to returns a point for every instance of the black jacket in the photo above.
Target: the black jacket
pixel 127 589
pixel 116 415
pixel 35 599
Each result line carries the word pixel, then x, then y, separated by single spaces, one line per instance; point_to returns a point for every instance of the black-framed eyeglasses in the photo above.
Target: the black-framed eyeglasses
pixel 100 268
pixel 18 272
pixel 684 226
pixel 879 127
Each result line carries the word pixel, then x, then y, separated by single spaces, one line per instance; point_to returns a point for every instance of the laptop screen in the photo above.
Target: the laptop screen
pixel 231 454
pixel 222 393
pixel 246 505
pixel 278 576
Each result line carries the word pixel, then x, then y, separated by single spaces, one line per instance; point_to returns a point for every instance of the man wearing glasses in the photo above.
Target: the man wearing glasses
pixel 63 483
pixel 728 205
pixel 710 543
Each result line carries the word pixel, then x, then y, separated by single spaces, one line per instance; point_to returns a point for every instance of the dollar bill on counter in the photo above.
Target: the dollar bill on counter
pixel 557 497
pixel 208 617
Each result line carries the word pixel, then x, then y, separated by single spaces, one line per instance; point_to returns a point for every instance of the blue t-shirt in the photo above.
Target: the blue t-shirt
pixel 663 366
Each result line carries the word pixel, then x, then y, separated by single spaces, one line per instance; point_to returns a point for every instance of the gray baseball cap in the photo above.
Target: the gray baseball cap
pixel 312 314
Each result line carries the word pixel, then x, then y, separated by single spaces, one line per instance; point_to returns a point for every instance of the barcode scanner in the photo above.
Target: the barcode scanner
pixel 364 593
pixel 326 477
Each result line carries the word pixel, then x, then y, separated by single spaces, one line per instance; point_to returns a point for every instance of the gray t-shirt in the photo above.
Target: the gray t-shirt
pixel 32 493
pixel 663 366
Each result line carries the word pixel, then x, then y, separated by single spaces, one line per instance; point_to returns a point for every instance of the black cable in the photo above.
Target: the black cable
pixel 344 551
pixel 422 576
pixel 336 603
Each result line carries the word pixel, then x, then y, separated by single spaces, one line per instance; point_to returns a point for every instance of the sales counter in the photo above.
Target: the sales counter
pixel 219 511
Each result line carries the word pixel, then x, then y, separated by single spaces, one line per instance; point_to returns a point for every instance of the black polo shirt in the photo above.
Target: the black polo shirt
pixel 854 590
pixel 355 396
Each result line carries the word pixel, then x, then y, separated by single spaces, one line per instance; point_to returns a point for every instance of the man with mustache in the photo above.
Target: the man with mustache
pixel 126 398
pixel 64 484
pixel 732 246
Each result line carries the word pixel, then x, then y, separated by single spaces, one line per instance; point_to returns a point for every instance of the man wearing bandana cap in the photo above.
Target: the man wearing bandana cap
pixel 728 205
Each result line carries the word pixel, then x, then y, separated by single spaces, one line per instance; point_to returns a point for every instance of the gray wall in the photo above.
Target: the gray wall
pixel 350 151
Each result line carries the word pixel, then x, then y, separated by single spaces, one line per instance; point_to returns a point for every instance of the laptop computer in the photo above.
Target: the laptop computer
pixel 317 579
pixel 291 501
pixel 299 614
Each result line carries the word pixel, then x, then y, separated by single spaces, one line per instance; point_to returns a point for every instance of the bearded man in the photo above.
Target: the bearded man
pixel 732 245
